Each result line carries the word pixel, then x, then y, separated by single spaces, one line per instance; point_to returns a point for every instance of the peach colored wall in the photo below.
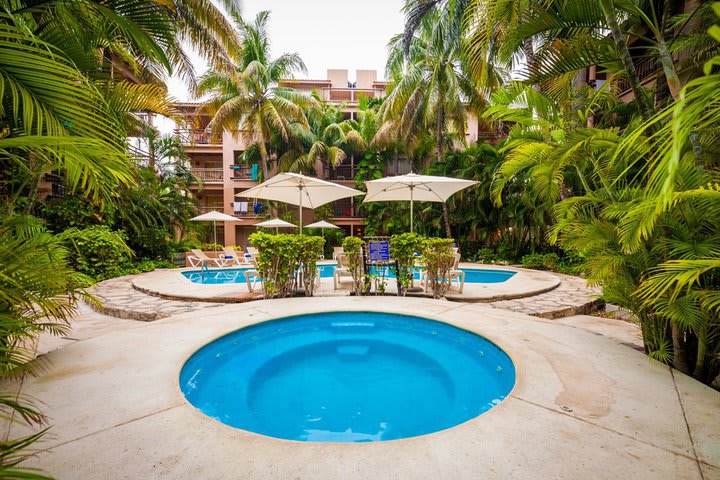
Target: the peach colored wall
pixel 365 78
pixel 338 77
pixel 230 145
pixel 471 128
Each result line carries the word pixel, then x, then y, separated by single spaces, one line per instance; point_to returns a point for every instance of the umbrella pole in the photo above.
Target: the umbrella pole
pixel 301 189
pixel 215 234
pixel 411 208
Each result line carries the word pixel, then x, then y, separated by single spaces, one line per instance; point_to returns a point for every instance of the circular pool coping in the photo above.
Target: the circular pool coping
pixel 583 406
pixel 173 285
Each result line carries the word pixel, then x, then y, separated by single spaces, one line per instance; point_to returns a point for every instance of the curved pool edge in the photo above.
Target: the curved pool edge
pixel 436 317
pixel 171 284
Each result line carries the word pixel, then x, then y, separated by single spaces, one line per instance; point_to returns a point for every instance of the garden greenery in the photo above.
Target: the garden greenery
pixel 403 248
pixel 283 259
pixel 353 249
pixel 437 257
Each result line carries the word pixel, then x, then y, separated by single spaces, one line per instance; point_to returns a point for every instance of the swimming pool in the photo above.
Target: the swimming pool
pixel 347 377
pixel 236 275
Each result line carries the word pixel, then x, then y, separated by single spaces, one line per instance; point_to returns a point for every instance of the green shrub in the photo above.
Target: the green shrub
pixel 281 256
pixel 438 258
pixel 353 250
pixel 403 248
pixel 541 261
pixel 98 252
pixel 486 255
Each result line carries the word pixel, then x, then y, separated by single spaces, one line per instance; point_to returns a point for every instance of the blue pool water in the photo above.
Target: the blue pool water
pixel 237 275
pixel 347 377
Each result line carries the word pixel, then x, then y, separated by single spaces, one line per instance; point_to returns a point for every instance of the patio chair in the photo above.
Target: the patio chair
pixel 457 274
pixel 252 276
pixel 342 270
pixel 337 251
pixel 453 274
pixel 235 258
pixel 199 258
pixel 252 251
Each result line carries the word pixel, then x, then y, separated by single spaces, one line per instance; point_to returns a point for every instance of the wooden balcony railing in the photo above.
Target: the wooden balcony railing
pixel 349 94
pixel 209 175
pixel 197 137
pixel 341 172
pixel 210 208
pixel 644 69
pixel 347 208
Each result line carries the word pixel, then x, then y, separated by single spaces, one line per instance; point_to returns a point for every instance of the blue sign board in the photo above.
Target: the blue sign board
pixel 379 251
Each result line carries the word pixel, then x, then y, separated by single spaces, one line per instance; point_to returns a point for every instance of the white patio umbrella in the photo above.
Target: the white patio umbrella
pixel 300 190
pixel 423 188
pixel 275 223
pixel 214 216
pixel 322 225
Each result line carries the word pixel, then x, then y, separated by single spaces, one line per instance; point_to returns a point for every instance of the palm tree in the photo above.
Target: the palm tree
pixel 248 97
pixel 323 140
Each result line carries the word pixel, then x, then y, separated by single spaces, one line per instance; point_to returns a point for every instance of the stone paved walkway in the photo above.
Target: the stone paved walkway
pixel 571 297
pixel 120 299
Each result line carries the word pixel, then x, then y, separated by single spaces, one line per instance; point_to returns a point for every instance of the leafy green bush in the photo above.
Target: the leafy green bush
pixel 438 258
pixel 403 248
pixel 486 255
pixel 281 256
pixel 541 261
pixel 98 252
pixel 353 250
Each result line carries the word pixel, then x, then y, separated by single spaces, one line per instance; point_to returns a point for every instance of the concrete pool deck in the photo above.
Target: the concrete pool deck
pixel 173 285
pixel 585 405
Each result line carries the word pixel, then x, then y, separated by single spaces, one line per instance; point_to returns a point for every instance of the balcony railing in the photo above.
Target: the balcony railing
pixel 341 172
pixel 210 208
pixel 644 69
pixel 209 175
pixel 349 94
pixel 197 137
pixel 241 172
pixel 347 208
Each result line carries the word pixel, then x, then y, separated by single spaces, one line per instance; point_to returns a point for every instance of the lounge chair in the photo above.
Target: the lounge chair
pixel 457 274
pixel 342 270
pixel 252 276
pixel 198 258
pixel 235 258
pixel 337 251
pixel 453 274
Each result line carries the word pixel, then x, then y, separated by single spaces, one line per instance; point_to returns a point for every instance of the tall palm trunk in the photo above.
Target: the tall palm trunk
pixel 264 158
pixel 608 7
pixel 439 140
pixel 679 357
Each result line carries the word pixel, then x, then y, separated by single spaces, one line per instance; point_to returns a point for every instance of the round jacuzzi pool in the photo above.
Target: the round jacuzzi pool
pixel 347 377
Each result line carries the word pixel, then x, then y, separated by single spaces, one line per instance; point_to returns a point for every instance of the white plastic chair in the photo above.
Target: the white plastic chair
pixel 199 258
pixel 342 270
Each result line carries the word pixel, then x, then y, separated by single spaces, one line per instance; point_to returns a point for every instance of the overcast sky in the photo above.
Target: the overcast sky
pixel 326 33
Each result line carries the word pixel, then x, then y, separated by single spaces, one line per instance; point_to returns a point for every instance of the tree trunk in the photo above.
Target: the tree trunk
pixel 679 360
pixel 446 218
pixel 264 159
pixel 439 132
pixel 608 7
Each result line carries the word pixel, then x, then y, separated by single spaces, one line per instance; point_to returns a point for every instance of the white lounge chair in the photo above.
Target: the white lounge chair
pixel 236 259
pixel 453 274
pixel 252 276
pixel 199 258
pixel 457 274
pixel 342 270
pixel 337 251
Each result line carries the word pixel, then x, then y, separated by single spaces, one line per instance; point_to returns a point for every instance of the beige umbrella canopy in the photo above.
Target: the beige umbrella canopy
pixel 411 187
pixel 214 216
pixel 300 190
pixel 275 223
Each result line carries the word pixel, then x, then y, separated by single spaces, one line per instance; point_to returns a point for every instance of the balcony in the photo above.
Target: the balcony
pixel 209 208
pixel 197 137
pixel 645 69
pixel 346 208
pixel 341 172
pixel 209 175
pixel 244 172
pixel 351 95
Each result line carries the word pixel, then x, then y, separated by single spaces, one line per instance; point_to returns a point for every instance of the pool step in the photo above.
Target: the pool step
pixel 353 350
